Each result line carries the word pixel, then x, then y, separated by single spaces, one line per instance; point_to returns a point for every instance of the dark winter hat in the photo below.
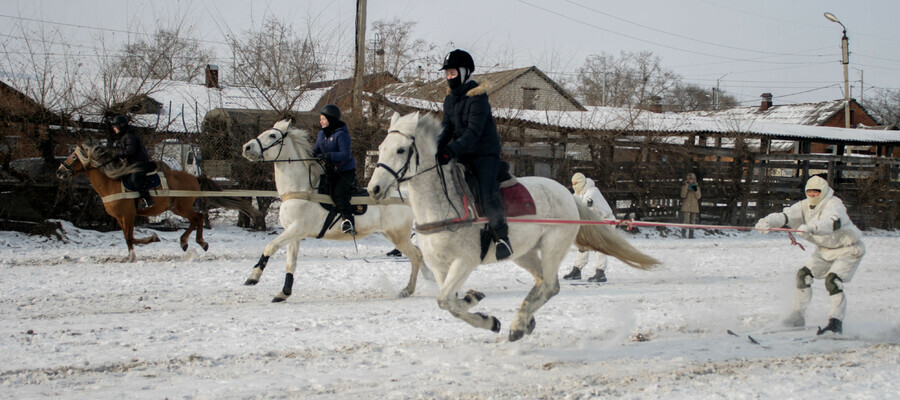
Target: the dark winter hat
pixel 120 121
pixel 458 59
pixel 332 112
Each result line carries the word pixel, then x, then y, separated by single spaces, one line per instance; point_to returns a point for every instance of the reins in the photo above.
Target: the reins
pixel 400 176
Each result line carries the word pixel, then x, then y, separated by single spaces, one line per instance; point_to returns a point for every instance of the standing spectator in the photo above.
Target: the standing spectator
pixel 690 203
pixel 587 192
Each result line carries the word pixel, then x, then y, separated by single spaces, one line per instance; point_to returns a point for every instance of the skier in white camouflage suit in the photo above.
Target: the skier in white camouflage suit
pixel 823 221
pixel 587 192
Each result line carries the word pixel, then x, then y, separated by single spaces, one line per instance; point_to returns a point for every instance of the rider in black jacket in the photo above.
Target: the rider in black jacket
pixel 470 135
pixel 133 152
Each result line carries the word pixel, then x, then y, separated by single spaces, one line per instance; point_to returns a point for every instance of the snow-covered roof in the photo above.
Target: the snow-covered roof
pixel 632 120
pixel 799 114
pixel 184 105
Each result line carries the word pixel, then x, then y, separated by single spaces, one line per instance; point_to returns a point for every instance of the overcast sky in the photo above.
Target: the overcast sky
pixel 784 47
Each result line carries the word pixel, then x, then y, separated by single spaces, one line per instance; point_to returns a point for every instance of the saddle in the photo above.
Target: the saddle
pixel 517 200
pixel 154 180
pixel 332 218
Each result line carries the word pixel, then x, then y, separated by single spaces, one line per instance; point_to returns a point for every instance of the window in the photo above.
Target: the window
pixel 528 97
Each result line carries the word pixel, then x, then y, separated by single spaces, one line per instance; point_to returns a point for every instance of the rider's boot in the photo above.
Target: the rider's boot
pixel 504 249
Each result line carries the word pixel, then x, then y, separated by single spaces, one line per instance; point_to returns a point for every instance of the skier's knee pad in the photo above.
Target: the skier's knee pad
pixel 833 284
pixel 804 278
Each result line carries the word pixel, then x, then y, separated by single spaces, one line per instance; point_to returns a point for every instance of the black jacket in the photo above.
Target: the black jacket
pixel 469 123
pixel 132 149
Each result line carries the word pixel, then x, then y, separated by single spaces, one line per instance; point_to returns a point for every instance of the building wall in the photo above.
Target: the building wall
pixel 548 97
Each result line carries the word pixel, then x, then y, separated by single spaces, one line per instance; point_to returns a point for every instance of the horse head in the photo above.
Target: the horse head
pixel 269 145
pixel 410 144
pixel 74 164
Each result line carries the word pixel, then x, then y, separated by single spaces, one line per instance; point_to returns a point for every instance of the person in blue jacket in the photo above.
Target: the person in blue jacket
pixel 332 150
pixel 469 134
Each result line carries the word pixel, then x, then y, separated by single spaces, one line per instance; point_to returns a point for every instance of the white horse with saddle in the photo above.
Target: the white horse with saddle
pixel 303 215
pixel 408 154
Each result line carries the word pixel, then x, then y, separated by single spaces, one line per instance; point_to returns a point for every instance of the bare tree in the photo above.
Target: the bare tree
pixel 885 106
pixel 167 54
pixel 690 97
pixel 630 80
pixel 274 62
pixel 394 50
pixel 40 70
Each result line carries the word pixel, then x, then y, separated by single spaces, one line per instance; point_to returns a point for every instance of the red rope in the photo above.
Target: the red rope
pixel 630 223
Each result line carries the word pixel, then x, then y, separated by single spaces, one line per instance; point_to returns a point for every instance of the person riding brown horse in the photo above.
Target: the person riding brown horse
pixel 133 152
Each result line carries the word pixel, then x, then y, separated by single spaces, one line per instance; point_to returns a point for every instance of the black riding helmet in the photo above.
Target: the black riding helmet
pixel 458 58
pixel 332 112
pixel 120 120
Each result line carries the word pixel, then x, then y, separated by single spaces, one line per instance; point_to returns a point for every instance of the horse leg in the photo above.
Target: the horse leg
pixel 546 285
pixel 285 292
pixel 290 233
pixel 404 244
pixel 448 300
pixel 127 226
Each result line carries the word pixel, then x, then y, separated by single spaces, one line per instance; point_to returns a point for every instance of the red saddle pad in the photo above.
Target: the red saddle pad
pixel 517 201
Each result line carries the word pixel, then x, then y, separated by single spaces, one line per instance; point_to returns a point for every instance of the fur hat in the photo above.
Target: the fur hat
pixel 578 182
pixel 817 183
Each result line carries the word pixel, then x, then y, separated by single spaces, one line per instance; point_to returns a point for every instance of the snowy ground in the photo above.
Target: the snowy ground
pixel 78 323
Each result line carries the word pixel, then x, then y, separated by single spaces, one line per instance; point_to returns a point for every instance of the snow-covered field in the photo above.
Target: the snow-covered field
pixel 78 323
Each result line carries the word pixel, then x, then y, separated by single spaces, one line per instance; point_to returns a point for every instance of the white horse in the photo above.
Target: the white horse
pixel 408 154
pixel 297 177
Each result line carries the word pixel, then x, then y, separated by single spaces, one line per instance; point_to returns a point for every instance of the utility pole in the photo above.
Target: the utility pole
pixel 358 70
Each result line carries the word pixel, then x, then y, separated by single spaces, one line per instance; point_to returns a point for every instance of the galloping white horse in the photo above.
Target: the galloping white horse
pixel 408 154
pixel 296 176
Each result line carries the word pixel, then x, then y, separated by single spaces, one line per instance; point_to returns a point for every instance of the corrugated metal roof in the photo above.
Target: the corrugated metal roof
pixel 799 114
pixel 631 120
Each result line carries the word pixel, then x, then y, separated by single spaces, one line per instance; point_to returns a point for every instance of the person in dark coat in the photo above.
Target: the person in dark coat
pixel 332 150
pixel 470 135
pixel 132 150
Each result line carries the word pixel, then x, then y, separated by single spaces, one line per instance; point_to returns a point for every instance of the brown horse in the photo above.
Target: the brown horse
pixel 105 173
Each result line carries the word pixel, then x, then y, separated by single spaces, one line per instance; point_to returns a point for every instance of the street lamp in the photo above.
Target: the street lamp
pixel 845 59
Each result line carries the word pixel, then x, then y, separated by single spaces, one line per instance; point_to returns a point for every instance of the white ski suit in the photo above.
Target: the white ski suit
pixel 592 198
pixel 824 222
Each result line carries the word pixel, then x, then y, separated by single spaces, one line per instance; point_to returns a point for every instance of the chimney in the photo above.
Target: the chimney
pixel 212 76
pixel 766 102
pixel 656 104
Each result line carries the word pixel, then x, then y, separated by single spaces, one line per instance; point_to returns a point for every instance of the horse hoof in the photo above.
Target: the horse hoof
pixel 516 335
pixel 251 282
pixel 530 327
pixel 495 327
pixel 205 246
pixel 404 294
pixel 473 297
pixel 280 297
pixel 184 247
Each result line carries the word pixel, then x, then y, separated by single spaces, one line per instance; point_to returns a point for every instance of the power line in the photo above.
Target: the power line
pixel 682 36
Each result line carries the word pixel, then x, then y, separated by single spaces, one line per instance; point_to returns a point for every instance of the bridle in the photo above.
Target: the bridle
pixel 400 175
pixel 280 143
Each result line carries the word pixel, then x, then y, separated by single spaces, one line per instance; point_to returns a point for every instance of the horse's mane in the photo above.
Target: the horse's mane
pixel 100 157
pixel 300 137
pixel 425 127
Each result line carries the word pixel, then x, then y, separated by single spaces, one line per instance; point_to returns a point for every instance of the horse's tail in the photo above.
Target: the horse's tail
pixel 605 239
pixel 241 204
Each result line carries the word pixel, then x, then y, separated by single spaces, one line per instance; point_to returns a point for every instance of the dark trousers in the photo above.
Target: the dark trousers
pixel 342 185
pixel 139 179
pixel 486 169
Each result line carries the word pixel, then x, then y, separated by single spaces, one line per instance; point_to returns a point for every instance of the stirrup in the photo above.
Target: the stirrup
pixel 347 227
